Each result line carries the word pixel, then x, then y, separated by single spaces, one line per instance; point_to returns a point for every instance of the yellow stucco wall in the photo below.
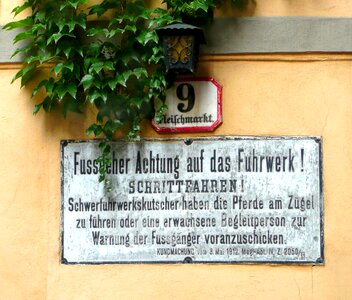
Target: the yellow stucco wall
pixel 340 8
pixel 308 94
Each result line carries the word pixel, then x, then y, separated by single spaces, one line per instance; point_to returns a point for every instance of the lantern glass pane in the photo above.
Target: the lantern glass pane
pixel 179 48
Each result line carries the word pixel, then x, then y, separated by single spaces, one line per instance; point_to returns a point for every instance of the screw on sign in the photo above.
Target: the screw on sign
pixel 193 104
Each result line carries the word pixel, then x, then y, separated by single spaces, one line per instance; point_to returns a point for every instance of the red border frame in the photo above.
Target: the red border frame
pixel 212 127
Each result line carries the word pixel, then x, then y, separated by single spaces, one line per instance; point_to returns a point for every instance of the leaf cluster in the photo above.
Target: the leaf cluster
pixel 116 66
pixel 199 12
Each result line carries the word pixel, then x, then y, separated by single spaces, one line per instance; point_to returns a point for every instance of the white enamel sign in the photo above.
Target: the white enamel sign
pixel 193 104
pixel 206 200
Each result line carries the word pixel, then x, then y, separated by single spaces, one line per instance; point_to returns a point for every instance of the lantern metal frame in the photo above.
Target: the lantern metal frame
pixel 181 47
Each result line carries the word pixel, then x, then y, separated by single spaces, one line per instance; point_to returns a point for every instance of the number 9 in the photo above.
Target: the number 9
pixel 189 97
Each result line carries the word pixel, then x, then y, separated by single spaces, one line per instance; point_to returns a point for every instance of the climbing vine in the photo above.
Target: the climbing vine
pixel 116 64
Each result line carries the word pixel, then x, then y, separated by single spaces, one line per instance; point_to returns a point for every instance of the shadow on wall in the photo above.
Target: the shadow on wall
pixel 245 8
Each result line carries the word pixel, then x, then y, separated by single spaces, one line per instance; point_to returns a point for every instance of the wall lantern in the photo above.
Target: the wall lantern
pixel 181 47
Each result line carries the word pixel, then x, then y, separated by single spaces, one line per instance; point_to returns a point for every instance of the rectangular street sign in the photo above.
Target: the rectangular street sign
pixel 193 104
pixel 205 200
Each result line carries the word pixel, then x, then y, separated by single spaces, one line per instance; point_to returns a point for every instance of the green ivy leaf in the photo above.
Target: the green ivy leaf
pixel 98 31
pixel 68 47
pixel 131 28
pixel 48 103
pixel 72 3
pixel 25 50
pixel 19 9
pixel 139 100
pixel 94 48
pixel 61 23
pixel 69 65
pixel 156 57
pixel 139 72
pixel 111 127
pixel 80 21
pixel 23 36
pixel 94 128
pixel 40 44
pixel 97 9
pixel 147 36
pixel 39 16
pixel 87 81
pixel 96 67
pixel 67 50
pixel 123 77
pixel 198 4
pixel 109 65
pixel 66 88
pixel 57 36
pixel 58 68
pixel 39 58
pixel 23 72
pixel 41 84
pixel 112 83
pixel 120 19
pixel 129 57
pixel 114 32
pixel 38 27
pixel 50 86
pixel 162 18
pixel 95 94
pixel 72 89
pixel 27 22
pixel 36 108
pixel 136 8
